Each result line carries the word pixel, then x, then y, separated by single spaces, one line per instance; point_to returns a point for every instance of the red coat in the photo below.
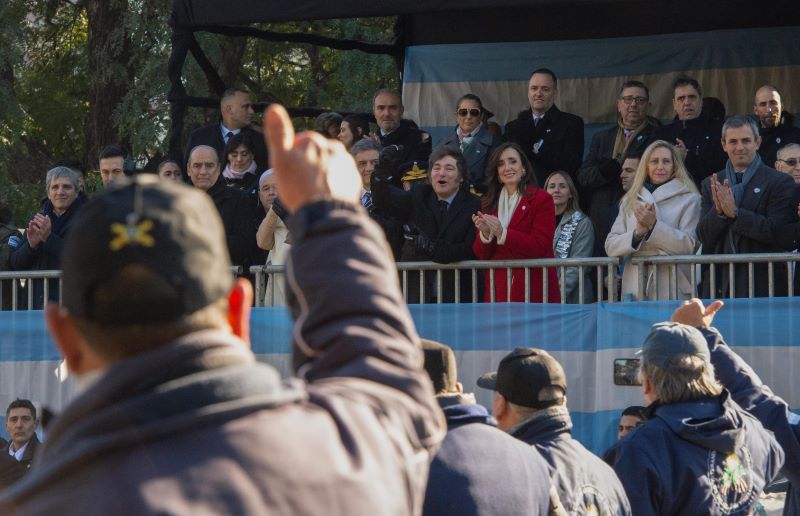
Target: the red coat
pixel 530 235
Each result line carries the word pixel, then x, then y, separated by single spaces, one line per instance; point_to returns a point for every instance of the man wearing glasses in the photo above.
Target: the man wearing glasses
pixel 599 175
pixel 775 126
pixel 695 135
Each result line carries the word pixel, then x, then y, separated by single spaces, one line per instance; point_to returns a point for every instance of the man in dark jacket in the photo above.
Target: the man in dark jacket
pixel 233 205
pixel 695 136
pixel 749 392
pixel 744 207
pixel 178 416
pixel 530 404
pixel 464 474
pixel 698 452
pixel 437 218
pixel 776 126
pixel 235 117
pixel 414 145
pixel 599 176
pixel 16 457
pixel 44 237
pixel 551 138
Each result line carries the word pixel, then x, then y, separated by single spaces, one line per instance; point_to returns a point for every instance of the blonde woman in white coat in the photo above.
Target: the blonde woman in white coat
pixel 658 216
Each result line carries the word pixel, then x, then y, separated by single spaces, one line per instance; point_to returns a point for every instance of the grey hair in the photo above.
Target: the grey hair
pixel 55 173
pixel 783 151
pixel 365 145
pixel 738 121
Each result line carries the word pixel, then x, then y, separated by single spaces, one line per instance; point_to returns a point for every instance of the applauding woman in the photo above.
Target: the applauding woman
pixel 657 216
pixel 517 222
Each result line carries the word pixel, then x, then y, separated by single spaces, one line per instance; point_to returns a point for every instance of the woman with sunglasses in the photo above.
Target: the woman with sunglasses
pixel 474 140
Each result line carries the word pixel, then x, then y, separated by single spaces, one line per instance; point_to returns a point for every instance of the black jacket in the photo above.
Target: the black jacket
pixel 598 179
pixel 452 236
pixel 474 455
pixel 238 218
pixel 581 479
pixel 416 146
pixel 765 209
pixel 211 135
pixel 703 140
pixel 561 137
pixel 12 470
pixel 773 138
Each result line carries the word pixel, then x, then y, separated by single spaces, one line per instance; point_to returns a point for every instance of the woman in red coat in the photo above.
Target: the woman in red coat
pixel 518 222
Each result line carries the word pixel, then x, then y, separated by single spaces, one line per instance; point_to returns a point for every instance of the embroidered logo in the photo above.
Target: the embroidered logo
pixel 731 478
pixel 131 234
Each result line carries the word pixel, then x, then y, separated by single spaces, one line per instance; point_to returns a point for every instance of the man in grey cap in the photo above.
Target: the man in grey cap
pixel 530 403
pixel 698 452
pixel 178 417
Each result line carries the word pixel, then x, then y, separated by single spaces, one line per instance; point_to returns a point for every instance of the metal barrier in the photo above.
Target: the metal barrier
pixel 18 289
pixel 604 268
pixel 649 265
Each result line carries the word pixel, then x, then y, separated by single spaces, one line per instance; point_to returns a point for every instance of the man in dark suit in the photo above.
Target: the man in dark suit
pixel 235 111
pixel 437 218
pixel 551 138
pixel 745 205
pixel 599 176
pixel 17 456
pixel 415 145
pixel 776 126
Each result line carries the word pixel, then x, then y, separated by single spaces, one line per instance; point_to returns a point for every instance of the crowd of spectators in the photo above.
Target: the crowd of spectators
pixel 524 194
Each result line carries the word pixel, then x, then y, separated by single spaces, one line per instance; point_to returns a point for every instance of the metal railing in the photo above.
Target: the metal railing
pixel 432 286
pixel 21 289
pixel 650 265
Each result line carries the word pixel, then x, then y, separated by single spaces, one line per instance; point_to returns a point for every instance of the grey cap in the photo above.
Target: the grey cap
pixel 668 340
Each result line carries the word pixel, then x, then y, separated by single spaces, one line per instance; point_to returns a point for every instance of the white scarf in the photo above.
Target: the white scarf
pixel 505 210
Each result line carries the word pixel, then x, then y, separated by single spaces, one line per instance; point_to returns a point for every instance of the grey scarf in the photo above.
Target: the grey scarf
pixel 749 172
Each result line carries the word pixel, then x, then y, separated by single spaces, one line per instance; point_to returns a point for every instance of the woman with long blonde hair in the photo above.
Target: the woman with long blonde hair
pixel 658 216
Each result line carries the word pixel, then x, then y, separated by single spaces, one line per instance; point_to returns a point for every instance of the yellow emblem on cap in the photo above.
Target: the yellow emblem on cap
pixel 131 234
pixel 415 173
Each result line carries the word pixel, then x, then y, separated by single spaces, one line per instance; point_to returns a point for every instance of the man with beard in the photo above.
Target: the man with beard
pixel 775 125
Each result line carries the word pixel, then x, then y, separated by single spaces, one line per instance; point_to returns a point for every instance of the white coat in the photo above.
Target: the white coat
pixel 677 215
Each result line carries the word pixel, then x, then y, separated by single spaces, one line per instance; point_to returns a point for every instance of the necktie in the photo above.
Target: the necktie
pixel 536 120
pixel 443 208
pixel 366 200
pixel 228 136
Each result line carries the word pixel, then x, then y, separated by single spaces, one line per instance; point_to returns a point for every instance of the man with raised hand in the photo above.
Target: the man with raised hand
pixel 178 417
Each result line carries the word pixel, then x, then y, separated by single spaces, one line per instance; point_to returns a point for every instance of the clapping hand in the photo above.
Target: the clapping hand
pixel 722 196
pixel 645 214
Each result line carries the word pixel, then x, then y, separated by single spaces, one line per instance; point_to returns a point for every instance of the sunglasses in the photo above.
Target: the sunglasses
pixel 792 162
pixel 465 112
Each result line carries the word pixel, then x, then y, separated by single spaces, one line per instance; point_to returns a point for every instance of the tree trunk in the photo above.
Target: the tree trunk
pixel 109 52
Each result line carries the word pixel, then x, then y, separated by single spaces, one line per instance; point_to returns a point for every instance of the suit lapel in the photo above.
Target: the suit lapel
pixel 521 210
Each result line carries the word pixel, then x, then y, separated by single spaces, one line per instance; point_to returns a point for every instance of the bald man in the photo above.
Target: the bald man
pixel 775 125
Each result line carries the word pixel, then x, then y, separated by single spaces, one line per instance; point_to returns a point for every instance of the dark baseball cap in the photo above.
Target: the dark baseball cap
pixel 139 223
pixel 440 364
pixel 668 340
pixel 523 374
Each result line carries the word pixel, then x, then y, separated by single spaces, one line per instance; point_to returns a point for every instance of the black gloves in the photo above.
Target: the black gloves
pixel 611 169
pixel 280 210
pixel 423 245
pixel 387 164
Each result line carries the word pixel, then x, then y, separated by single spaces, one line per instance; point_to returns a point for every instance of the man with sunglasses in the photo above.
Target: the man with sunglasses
pixel 599 176
pixel 775 126
pixel 788 160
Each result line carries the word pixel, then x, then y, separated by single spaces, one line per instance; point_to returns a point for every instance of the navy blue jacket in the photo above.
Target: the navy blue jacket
pixel 703 140
pixel 480 470
pixel 581 479
pixel 752 395
pixel 699 457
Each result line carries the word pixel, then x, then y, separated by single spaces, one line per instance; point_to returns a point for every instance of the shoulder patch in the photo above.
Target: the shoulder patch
pixel 14 241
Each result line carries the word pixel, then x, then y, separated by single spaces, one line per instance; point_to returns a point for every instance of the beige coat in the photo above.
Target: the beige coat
pixel 273 236
pixel 677 214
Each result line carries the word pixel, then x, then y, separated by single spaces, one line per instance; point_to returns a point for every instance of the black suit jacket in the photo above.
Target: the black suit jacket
pixel 764 211
pixel 561 136
pixel 703 140
pixel 600 189
pixel 12 470
pixel 452 234
pixel 211 135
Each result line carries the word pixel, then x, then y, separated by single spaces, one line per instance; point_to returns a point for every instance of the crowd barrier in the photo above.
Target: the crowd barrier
pixel 584 338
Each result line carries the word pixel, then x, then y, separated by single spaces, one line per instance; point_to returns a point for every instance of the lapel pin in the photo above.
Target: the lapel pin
pixel 523 206
pixel 778 140
pixel 757 190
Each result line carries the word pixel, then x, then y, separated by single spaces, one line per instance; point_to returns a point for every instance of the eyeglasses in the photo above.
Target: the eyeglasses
pixel 792 162
pixel 465 112
pixel 640 101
